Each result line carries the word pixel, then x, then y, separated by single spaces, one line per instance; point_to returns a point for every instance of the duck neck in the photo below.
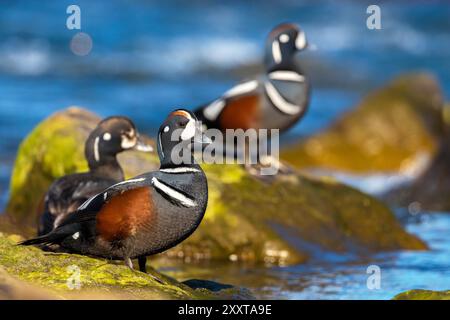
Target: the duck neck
pixel 176 156
pixel 288 63
pixel 107 167
pixel 101 164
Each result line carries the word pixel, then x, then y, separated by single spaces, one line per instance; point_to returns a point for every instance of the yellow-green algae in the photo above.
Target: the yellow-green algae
pixel 52 271
pixel 387 131
pixel 420 294
pixel 248 219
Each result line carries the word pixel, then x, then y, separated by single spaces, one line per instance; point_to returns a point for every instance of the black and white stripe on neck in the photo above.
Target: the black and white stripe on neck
pixel 172 194
pixel 179 170
pixel 279 101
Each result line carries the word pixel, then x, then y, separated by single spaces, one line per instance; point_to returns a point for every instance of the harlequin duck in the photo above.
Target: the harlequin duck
pixel 111 136
pixel 275 100
pixel 147 214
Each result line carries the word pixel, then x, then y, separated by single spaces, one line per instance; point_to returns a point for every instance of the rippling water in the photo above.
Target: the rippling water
pixel 331 279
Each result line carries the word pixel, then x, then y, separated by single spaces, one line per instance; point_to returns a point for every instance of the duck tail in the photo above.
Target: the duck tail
pixel 53 237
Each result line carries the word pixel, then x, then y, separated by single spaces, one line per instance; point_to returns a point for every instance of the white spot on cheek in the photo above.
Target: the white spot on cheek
pixel 76 235
pixel 166 129
pixel 107 136
pixel 284 38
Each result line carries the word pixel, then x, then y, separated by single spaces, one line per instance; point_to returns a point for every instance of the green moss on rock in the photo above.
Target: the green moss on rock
pixel 56 273
pixel 387 131
pixel 282 220
pixel 423 295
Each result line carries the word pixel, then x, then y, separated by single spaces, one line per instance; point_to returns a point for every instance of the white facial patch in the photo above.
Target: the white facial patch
pixel 300 42
pixel 166 129
pixel 189 131
pixel 284 38
pixel 276 52
pixel 128 143
pixel 107 136
pixel 76 235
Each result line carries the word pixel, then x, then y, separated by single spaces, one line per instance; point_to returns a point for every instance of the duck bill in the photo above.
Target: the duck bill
pixel 202 139
pixel 142 146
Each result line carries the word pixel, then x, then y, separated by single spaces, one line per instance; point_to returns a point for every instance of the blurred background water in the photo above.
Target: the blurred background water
pixel 149 57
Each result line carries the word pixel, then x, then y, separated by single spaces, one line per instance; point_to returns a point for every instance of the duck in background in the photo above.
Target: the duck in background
pixel 111 136
pixel 147 214
pixel 276 99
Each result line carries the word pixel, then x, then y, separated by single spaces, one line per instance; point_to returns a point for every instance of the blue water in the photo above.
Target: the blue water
pixel 331 276
pixel 400 271
pixel 149 57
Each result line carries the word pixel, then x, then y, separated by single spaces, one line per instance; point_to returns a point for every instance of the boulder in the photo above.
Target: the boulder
pixel 429 192
pixel 390 130
pixel 287 219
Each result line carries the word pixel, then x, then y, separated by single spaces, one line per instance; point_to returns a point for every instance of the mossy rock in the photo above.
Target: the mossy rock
pixel 388 131
pixel 28 272
pixel 430 190
pixel 423 295
pixel 284 220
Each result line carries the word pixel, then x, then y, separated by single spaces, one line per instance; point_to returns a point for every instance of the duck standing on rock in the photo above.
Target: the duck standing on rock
pixel 111 136
pixel 276 99
pixel 147 214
